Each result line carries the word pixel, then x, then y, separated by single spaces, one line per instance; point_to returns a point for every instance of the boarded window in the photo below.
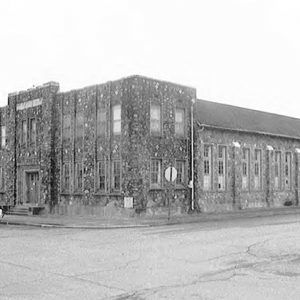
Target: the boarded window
pixel 222 166
pixel 180 167
pixel 179 121
pixel 101 121
pixel 116 114
pixel 277 165
pixel 32 131
pixel 207 168
pixel 2 176
pixel 116 178
pixel 287 171
pixel 155 118
pixel 155 170
pixel 245 169
pixel 66 128
pixel 24 132
pixel 257 169
pixel 3 136
pixel 79 125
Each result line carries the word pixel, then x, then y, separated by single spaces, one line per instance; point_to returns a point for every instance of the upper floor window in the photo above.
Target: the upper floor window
pixel 101 120
pixel 257 169
pixel 32 131
pixel 2 181
pixel 207 167
pixel 287 171
pixel 155 173
pixel 155 118
pixel 245 169
pixel 3 136
pixel 24 132
pixel 179 121
pixel 79 125
pixel 116 114
pixel 222 168
pixel 66 134
pixel 277 182
pixel 180 167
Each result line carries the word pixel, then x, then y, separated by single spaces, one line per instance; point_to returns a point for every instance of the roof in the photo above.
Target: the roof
pixel 242 119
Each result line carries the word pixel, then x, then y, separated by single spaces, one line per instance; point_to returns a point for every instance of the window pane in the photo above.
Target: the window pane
pixel 155 118
pixel 117 119
pixel 179 121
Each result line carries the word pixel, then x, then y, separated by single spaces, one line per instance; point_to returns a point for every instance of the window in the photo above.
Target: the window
pixel 116 119
pixel 116 178
pixel 179 121
pixel 24 132
pixel 3 136
pixel 79 125
pixel 101 186
pixel 257 169
pixel 287 171
pixel 207 167
pixel 66 177
pixel 66 128
pixel 101 121
pixel 155 170
pixel 32 131
pixel 155 118
pixel 2 186
pixel 222 168
pixel 245 169
pixel 180 167
pixel 277 182
pixel 78 176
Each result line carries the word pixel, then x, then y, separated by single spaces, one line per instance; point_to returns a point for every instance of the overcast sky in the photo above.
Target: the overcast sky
pixel 240 52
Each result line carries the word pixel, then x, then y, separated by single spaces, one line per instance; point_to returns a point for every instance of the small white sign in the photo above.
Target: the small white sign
pixel 168 174
pixel 128 202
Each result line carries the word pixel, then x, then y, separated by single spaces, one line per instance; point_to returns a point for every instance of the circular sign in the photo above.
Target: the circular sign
pixel 170 173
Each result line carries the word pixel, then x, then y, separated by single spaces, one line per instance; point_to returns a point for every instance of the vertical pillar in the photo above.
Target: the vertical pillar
pixel 269 178
pixel 236 175
pixel 297 177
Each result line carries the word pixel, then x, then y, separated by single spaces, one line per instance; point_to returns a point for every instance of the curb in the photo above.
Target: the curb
pixel 205 218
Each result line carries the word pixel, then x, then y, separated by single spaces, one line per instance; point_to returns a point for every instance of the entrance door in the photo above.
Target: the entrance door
pixel 32 184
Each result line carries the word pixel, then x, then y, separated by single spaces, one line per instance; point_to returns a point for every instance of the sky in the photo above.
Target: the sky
pixel 239 52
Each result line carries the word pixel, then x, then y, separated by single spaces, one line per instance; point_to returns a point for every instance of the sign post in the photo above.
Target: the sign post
pixel 170 175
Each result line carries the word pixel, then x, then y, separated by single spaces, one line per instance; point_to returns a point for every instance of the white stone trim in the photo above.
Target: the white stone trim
pixel 30 103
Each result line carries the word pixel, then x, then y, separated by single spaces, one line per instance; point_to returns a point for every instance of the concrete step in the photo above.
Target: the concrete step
pixel 18 211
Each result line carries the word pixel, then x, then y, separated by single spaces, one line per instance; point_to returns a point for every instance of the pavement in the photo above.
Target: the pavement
pixel 94 222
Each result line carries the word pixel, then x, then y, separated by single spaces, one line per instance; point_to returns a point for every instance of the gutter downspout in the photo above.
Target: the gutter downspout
pixel 192 155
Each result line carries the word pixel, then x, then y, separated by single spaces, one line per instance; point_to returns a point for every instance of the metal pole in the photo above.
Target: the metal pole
pixel 170 193
pixel 192 152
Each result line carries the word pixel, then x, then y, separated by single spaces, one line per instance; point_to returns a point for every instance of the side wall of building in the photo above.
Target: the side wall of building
pixel 236 194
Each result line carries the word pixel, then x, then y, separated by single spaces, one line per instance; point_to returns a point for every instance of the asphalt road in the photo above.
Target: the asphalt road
pixel 257 258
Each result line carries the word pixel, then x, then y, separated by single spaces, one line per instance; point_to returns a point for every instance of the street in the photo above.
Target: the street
pixel 255 258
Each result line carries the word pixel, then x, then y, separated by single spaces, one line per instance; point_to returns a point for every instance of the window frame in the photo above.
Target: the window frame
pixel 183 110
pixel 258 163
pixel 159 183
pixel 183 173
pixel 65 166
pixel 101 110
pixel 116 121
pixel 222 159
pixel 31 141
pixel 24 132
pixel 159 131
pixel 210 161
pixel 77 188
pixel 113 176
pixel 279 164
pixel 3 137
pixel 289 176
pixel 97 177
pixel 246 161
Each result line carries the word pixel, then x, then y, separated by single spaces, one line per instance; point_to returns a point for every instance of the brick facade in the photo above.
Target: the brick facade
pixel 82 151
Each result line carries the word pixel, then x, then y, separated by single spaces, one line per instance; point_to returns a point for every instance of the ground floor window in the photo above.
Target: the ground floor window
pixel 180 167
pixel 277 165
pixel 245 169
pixel 288 171
pixel 207 167
pixel 257 169
pixel 155 170
pixel 78 177
pixel 116 175
pixel 65 177
pixel 2 186
pixel 100 176
pixel 222 168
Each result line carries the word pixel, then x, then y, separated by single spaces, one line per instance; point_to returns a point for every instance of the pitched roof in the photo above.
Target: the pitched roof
pixel 243 119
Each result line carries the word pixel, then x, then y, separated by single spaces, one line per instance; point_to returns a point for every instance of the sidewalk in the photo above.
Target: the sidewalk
pixel 93 222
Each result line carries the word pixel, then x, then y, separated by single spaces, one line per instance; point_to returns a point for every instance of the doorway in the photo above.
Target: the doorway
pixel 32 187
